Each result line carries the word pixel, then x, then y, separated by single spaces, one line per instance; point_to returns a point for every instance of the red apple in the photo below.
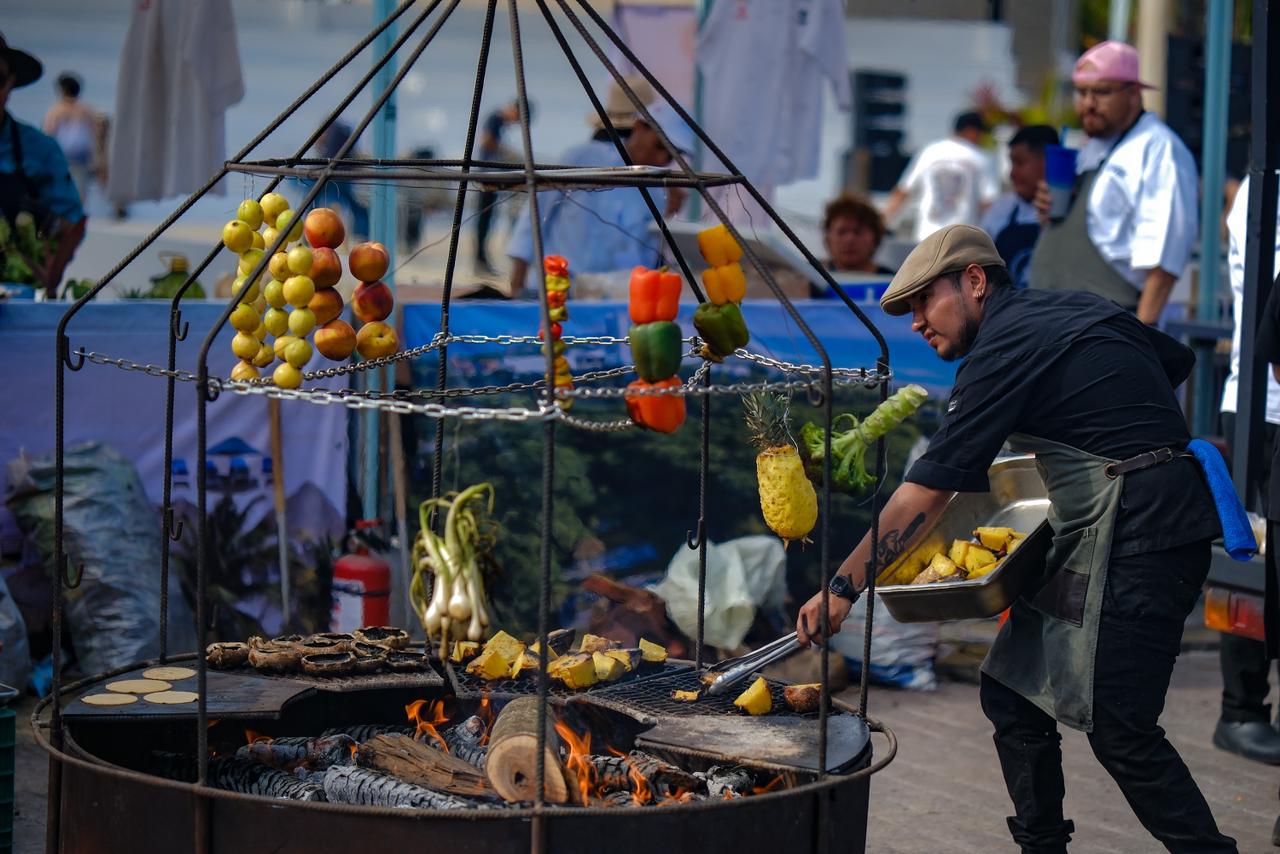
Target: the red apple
pixel 322 227
pixel 326 305
pixel 375 340
pixel 326 267
pixel 372 301
pixel 335 340
pixel 368 262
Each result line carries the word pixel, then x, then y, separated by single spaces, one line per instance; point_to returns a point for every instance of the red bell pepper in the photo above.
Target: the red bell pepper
pixel 661 412
pixel 655 295
pixel 555 265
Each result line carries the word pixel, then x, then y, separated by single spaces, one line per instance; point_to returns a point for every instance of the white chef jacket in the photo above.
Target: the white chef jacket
pixel 1002 214
pixel 1237 220
pixel 953 179
pixel 1142 211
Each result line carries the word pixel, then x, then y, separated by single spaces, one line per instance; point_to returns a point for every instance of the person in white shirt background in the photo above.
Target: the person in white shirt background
pixel 1012 220
pixel 1244 726
pixel 953 179
pixel 1133 235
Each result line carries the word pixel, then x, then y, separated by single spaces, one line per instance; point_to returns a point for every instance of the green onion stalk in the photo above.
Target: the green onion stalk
pixel 450 564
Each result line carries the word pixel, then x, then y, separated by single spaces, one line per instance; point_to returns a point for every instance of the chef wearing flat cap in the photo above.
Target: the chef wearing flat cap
pixel 1086 387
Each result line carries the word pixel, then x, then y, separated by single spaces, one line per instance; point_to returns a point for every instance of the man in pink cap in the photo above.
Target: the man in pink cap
pixel 1133 222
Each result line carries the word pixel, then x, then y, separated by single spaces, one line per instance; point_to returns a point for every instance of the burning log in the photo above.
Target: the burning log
pixel 641 773
pixel 402 757
pixel 286 754
pixel 512 765
pixel 364 732
pixel 724 781
pixel 466 741
pixel 236 774
pixel 172 766
pixel 347 784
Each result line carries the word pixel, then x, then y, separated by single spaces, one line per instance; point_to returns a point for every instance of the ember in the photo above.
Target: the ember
pixel 428 727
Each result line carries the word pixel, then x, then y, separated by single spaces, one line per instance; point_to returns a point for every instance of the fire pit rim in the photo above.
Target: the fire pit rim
pixel 97 765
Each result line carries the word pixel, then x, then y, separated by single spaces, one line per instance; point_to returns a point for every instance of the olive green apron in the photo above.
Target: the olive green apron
pixel 1045 651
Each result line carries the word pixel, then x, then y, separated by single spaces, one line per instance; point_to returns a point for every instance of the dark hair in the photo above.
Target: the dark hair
pixel 856 208
pixel 997 276
pixel 970 120
pixel 1035 137
pixel 69 84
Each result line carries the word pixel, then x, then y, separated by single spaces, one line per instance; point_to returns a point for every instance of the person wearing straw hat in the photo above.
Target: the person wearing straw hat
pixel 1079 382
pixel 1132 221
pixel 35 180
pixel 602 231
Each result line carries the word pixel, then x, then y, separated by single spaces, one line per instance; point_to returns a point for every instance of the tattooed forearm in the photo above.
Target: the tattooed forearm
pixel 893 543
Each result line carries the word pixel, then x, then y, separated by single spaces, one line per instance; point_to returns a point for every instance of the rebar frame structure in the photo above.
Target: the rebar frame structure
pixel 818 381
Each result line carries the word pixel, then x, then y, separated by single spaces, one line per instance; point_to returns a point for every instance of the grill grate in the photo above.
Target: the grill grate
pixel 466 685
pixel 653 698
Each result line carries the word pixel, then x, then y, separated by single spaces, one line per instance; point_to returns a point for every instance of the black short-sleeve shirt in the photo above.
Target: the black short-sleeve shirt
pixel 1076 369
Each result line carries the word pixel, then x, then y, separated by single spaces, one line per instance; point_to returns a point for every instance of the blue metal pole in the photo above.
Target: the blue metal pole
pixel 382 228
pixel 1217 68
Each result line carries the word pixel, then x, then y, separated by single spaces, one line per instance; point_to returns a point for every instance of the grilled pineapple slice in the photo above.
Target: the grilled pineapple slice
pixel 994 538
pixel 939 568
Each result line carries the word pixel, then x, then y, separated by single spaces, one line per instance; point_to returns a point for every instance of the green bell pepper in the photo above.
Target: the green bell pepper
pixel 722 328
pixel 657 350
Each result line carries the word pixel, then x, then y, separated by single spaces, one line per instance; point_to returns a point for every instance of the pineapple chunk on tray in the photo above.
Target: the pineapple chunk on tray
pixel 970 560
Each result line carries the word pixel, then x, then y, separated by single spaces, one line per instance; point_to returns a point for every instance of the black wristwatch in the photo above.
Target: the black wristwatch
pixel 841 586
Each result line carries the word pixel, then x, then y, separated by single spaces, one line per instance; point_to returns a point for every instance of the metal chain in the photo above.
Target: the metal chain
pixel 128 365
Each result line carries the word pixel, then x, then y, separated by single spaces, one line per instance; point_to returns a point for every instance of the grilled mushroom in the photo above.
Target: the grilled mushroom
pixel 329 663
pixel 277 657
pixel 225 656
pixel 406 662
pixel 388 636
pixel 369 657
pixel 342 640
pixel 288 639
pixel 316 646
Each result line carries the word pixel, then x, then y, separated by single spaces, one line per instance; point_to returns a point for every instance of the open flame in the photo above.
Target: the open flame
pixel 776 783
pixel 578 762
pixel 426 724
pixel 641 793
pixel 486 714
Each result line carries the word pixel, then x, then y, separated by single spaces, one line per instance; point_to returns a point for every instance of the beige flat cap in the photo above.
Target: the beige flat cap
pixel 947 250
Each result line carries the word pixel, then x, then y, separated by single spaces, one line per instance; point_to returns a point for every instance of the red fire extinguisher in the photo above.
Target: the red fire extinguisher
pixel 361 583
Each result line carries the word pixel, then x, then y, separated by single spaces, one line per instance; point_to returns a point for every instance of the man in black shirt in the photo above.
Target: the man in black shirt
pixel 1090 390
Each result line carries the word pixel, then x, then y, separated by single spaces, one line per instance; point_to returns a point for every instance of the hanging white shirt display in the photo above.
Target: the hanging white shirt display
pixel 762 63
pixel 179 73
pixel 953 179
pixel 1143 208
pixel 1237 222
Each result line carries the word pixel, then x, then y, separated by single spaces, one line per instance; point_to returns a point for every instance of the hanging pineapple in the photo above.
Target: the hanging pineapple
pixel 787 498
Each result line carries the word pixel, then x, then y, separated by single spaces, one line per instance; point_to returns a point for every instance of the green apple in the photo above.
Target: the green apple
pixel 250 212
pixel 248 260
pixel 286 375
pixel 299 260
pixel 245 319
pixel 301 322
pixel 273 204
pixel 298 353
pixel 237 236
pixel 260 305
pixel 260 332
pixel 244 371
pixel 273 293
pixel 299 290
pixel 245 345
pixel 266 355
pixel 289 221
pixel 281 344
pixel 258 242
pixel 270 236
pixel 276 321
pixel 251 295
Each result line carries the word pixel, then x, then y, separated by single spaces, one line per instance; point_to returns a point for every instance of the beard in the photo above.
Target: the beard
pixel 964 341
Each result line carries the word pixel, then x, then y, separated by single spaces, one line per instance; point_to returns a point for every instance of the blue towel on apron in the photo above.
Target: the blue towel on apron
pixel 1237 533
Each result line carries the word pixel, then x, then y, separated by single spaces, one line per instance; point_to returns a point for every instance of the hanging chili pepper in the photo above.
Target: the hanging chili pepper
pixel 555 265
pixel 661 412
pixel 722 328
pixel 726 283
pixel 656 349
pixel 655 295
pixel 718 246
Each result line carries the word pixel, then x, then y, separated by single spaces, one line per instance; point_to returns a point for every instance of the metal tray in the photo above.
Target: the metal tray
pixel 1017 499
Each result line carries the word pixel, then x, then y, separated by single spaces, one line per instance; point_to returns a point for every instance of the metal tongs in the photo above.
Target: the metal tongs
pixel 734 670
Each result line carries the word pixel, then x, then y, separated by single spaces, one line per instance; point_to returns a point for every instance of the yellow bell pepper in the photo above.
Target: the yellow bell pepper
pixel 726 283
pixel 718 246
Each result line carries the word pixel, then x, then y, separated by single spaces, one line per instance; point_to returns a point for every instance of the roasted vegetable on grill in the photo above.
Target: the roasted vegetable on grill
pixel 756 700
pixel 802 698
pixel 968 561
pixel 849 446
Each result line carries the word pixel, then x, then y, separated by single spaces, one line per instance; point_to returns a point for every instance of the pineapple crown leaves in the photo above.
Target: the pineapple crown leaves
pixel 768 416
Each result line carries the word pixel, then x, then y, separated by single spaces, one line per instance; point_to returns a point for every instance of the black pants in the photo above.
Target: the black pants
pixel 1246 666
pixel 484 222
pixel 1145 603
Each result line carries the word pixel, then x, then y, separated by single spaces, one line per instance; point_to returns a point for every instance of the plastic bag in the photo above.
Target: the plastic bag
pixel 111 527
pixel 901 653
pixel 15 655
pixel 742 575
